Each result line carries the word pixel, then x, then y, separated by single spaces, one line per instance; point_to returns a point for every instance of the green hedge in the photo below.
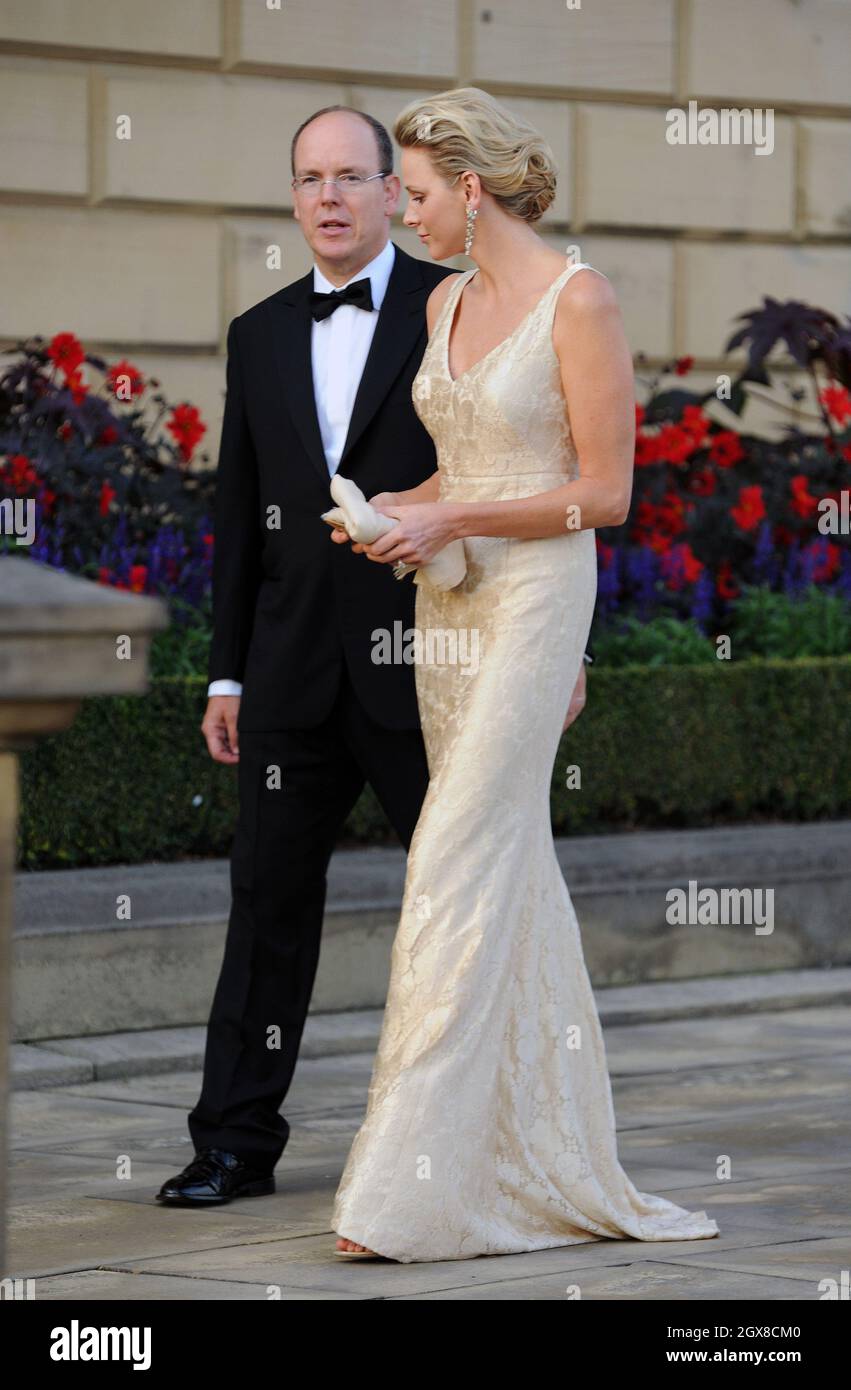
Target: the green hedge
pixel 656 746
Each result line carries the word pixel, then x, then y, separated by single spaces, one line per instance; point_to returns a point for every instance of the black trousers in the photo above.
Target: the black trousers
pixel 287 827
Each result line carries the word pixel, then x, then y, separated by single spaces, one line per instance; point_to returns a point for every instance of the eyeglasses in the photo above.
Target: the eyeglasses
pixel 310 186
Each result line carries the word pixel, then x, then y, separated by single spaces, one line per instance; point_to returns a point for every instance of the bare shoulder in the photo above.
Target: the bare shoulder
pixel 587 303
pixel 586 292
pixel 437 299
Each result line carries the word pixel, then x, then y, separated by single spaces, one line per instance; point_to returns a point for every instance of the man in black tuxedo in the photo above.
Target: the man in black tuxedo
pixel 318 378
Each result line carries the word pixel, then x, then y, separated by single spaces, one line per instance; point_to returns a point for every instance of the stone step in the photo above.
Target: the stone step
pixel 68 1061
pixel 82 970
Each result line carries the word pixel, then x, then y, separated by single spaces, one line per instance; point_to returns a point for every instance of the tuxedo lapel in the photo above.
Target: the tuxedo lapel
pixel 291 325
pixel 400 322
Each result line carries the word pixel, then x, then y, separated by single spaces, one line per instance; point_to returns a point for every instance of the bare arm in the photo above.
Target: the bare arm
pixel 597 379
pixel 424 492
pixel 596 374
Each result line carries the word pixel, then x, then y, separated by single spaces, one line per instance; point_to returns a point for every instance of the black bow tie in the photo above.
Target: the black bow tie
pixel 359 293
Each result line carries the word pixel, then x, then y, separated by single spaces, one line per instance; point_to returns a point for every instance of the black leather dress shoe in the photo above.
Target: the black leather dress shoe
pixel 215 1176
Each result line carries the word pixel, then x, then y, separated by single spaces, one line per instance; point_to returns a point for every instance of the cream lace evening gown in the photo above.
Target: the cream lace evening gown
pixel 490 1127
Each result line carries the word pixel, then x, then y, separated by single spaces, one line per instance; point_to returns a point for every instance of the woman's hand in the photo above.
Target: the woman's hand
pixel 577 699
pixel 424 529
pixel 382 501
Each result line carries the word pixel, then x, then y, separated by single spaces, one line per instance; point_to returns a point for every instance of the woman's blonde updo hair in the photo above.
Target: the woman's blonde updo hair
pixel 467 129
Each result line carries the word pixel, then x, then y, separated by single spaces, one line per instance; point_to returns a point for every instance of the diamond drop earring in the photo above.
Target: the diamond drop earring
pixel 472 214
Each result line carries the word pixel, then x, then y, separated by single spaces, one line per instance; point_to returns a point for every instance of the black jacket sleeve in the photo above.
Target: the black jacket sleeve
pixel 237 537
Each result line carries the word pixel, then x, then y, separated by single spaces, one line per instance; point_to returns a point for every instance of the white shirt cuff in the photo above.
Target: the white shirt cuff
pixel 224 688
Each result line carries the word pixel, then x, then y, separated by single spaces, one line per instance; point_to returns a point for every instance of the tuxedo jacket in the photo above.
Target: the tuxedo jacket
pixel 290 606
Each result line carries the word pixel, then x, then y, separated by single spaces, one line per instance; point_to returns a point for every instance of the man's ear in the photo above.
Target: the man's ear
pixel 393 192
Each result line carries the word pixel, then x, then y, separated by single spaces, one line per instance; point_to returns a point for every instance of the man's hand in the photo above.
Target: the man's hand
pixel 382 500
pixel 219 728
pixel 577 699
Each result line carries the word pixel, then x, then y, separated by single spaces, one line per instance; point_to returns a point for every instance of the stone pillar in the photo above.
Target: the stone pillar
pixel 61 638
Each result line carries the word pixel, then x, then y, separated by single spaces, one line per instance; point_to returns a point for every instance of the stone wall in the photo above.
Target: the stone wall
pixel 149 246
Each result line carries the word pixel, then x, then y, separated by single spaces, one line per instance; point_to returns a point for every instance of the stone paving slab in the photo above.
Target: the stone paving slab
pixel 747 1038
pixel 641 1100
pixel 769 1089
pixel 713 1090
pixel 814 1260
pixel 802 1205
pixel 304 1264
pixel 140 1287
pixel 661 1282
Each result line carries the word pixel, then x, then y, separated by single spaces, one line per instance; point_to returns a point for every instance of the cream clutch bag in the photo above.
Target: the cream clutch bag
pixel 362 523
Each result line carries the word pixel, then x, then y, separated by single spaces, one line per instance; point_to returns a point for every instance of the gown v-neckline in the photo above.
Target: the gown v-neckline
pixel 501 344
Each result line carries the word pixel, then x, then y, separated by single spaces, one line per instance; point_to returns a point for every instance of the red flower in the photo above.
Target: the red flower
pixel 702 482
pixel 126 378
pixel 605 552
pixel 107 492
pixel 696 422
pixel 683 365
pixel 75 384
pixel 646 450
pixel 138 576
pixel 725 584
pixel 675 443
pixel 104 575
pixel 671 514
pixel 66 352
pixel 726 449
pixel 837 403
pixel 656 526
pixel 681 566
pixel 693 568
pixel 750 509
pixel 187 428
pixel 108 435
pixel 783 535
pixel 802 503
pixel 65 430
pixel 19 473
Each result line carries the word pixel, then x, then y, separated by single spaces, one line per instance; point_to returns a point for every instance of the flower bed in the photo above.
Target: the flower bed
pixel 109 472
pixel 716 512
pixel 120 495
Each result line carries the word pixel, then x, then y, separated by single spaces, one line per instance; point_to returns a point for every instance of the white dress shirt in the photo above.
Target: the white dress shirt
pixel 339 348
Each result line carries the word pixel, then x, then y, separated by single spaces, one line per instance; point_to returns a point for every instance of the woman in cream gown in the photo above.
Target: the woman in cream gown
pixel 490 1127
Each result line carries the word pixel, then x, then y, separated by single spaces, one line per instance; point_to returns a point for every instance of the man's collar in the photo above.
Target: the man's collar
pixel 377 270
